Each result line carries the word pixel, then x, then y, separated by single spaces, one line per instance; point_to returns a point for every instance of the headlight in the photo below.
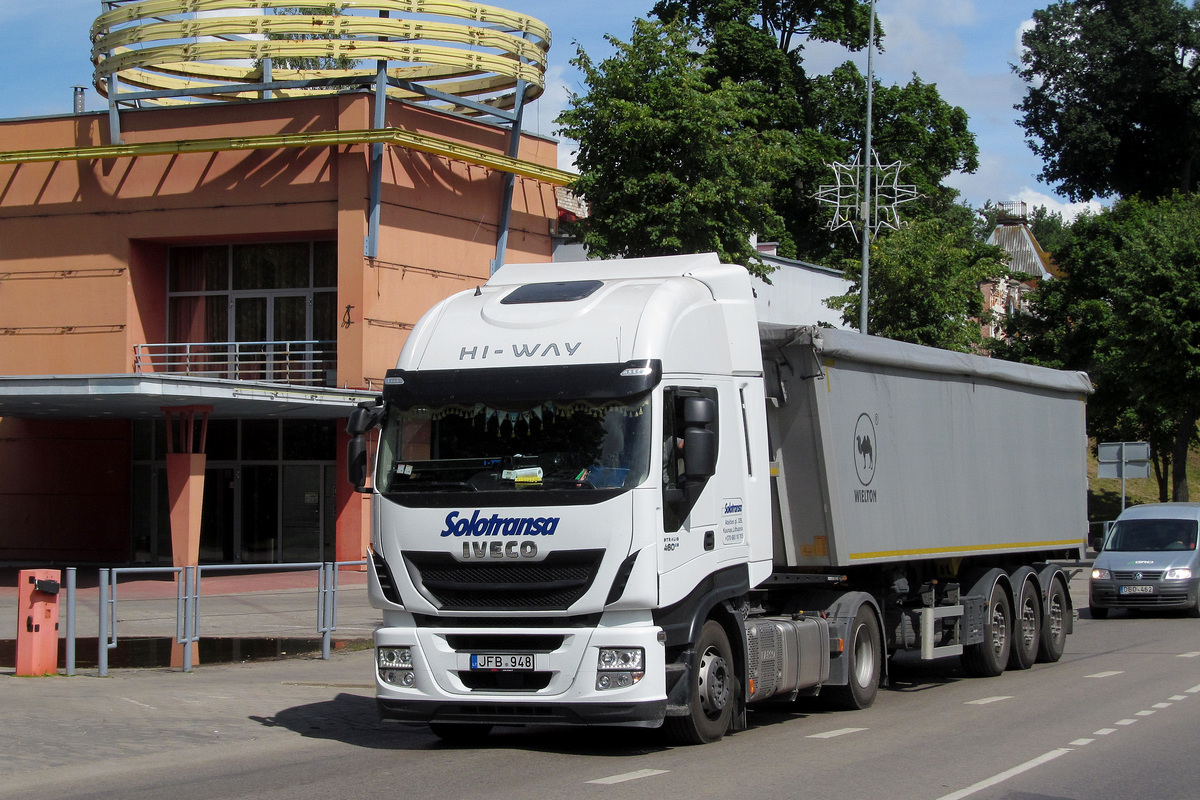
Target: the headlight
pixel 618 667
pixel 1178 574
pixel 395 666
pixel 394 657
pixel 1101 575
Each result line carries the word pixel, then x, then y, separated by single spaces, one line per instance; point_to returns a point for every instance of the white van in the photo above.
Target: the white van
pixel 1149 560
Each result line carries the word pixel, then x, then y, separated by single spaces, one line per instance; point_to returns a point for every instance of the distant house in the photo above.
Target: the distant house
pixel 1005 296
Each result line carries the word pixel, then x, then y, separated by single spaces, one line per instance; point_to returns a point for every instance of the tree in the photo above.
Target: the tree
pixel 1113 98
pixel 1128 312
pixel 925 282
pixel 671 159
pixel 796 125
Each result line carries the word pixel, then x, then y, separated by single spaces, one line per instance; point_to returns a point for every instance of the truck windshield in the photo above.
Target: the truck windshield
pixel 1153 534
pixel 559 446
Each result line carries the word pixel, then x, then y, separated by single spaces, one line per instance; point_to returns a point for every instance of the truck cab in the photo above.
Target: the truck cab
pixel 572 480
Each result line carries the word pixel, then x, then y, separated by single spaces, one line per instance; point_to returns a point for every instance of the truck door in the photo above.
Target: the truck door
pixel 689 455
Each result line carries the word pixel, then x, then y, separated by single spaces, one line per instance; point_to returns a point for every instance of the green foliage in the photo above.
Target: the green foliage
pixel 1128 312
pixel 672 159
pixel 1113 98
pixel 1050 230
pixel 924 283
pixel 728 75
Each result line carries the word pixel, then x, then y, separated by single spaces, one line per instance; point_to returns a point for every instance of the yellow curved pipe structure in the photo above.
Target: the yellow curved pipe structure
pixel 461 49
pixel 388 136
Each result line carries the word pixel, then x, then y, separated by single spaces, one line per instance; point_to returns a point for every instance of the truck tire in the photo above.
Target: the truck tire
pixel 713 691
pixel 864 666
pixel 988 658
pixel 1027 627
pixel 1054 632
pixel 460 732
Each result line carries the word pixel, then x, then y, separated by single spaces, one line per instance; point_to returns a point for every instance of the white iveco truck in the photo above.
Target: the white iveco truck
pixel 605 495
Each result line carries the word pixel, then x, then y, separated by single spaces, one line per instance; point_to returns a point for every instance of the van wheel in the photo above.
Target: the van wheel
pixel 713 691
pixel 1027 628
pixel 1098 612
pixel 988 658
pixel 1054 630
pixel 864 651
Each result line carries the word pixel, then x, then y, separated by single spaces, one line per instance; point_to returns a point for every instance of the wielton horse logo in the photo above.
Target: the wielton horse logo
pixel 866 446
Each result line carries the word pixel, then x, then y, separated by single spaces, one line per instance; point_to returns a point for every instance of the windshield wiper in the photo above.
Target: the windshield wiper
pixel 416 486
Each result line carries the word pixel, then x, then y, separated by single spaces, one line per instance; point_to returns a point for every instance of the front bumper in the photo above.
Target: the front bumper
pixel 1107 593
pixel 560 690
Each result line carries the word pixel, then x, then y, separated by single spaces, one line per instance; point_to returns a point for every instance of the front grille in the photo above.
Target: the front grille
pixel 1137 575
pixel 504 642
pixel 552 584
pixel 505 681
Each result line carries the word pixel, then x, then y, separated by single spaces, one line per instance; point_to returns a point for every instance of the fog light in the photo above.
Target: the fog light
pixel 619 667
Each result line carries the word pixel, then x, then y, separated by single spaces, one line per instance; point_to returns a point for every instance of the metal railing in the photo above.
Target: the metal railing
pixel 307 363
pixel 187 604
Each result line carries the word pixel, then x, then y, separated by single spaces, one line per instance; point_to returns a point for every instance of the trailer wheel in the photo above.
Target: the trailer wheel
pixel 1027 628
pixel 712 695
pixel 460 733
pixel 988 658
pixel 864 649
pixel 1054 634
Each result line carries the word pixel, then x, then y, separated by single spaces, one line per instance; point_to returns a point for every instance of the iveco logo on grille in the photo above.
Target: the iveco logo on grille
pixel 496 525
pixel 476 550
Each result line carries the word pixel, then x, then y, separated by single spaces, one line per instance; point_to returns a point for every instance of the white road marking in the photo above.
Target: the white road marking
pixel 1193 654
pixel 832 734
pixel 1082 742
pixel 1177 697
pixel 631 776
pixel 1105 674
pixel 131 700
pixel 983 701
pixel 1104 732
pixel 1126 721
pixel 1003 776
pixel 1145 713
pixel 1193 690
pixel 1156 705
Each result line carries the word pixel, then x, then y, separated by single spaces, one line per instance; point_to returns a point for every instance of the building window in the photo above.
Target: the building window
pixel 260 312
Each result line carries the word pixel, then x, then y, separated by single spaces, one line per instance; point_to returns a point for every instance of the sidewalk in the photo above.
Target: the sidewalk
pixel 244 606
pixel 85 725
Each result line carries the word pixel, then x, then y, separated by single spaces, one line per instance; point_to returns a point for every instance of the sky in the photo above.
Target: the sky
pixel 965 47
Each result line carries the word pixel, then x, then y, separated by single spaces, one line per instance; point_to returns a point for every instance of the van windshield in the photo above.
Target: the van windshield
pixel 578 446
pixel 1152 534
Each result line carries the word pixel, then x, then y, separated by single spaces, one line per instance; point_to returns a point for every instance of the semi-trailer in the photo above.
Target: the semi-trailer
pixel 607 495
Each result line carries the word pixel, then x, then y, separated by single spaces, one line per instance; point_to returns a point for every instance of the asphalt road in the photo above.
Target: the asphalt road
pixel 1117 717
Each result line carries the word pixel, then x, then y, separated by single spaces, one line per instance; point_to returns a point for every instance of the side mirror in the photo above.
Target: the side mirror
pixel 698 411
pixel 356 462
pixel 364 418
pixel 367 416
pixel 699 454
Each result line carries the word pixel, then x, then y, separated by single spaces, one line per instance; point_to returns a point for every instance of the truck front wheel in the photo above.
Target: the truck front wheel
pixel 864 651
pixel 713 692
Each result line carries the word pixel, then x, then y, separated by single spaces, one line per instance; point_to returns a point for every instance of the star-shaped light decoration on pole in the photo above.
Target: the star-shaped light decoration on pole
pixel 868 210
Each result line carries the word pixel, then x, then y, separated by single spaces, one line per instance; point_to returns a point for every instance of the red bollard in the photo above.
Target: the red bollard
pixel 37 622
